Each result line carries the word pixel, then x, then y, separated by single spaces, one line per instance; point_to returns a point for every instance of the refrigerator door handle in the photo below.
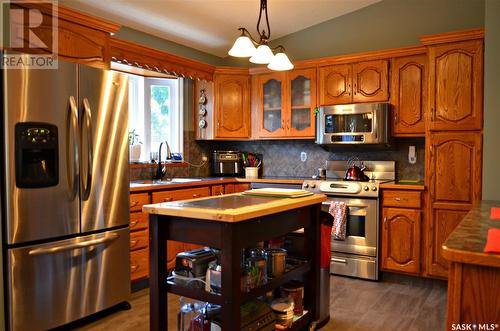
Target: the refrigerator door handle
pixel 71 246
pixel 87 122
pixel 72 148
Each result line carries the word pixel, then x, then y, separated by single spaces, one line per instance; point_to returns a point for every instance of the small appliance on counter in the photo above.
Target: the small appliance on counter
pixel 227 163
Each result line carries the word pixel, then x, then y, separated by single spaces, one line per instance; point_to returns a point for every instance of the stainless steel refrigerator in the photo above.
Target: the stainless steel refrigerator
pixel 65 208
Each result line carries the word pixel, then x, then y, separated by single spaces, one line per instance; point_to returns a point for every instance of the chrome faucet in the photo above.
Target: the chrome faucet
pixel 160 172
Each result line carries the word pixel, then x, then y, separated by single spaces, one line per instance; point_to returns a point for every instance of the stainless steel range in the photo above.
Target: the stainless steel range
pixel 357 255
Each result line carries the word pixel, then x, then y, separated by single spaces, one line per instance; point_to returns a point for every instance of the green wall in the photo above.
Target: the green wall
pixel 167 46
pixel 387 24
pixel 491 149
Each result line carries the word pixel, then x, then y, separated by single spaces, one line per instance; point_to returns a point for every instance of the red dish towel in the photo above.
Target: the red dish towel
pixel 338 209
pixel 495 213
pixel 493 241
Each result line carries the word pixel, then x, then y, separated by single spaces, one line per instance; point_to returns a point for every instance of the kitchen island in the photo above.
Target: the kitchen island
pixel 231 223
pixel 474 277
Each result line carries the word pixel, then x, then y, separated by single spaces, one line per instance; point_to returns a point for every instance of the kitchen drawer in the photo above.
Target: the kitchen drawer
pixel 405 199
pixel 240 187
pixel 137 200
pixel 139 264
pixel 139 221
pixel 217 189
pixel 139 240
pixel 184 194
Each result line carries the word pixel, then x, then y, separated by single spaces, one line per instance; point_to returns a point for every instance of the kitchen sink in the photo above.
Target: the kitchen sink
pixel 148 182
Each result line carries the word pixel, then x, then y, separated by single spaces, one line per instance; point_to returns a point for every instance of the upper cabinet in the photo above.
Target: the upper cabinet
pixel 285 103
pixel 456 86
pixel 351 83
pixel 232 106
pixel 81 38
pixel 409 95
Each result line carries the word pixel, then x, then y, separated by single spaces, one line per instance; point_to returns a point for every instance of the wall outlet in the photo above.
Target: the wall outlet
pixel 303 156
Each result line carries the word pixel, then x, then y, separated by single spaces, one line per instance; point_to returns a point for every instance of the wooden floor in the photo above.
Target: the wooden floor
pixel 394 303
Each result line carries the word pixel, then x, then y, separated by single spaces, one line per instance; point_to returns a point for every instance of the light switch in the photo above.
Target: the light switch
pixel 412 156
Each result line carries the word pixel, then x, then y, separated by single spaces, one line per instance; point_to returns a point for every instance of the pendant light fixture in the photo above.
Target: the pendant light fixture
pixel 258 51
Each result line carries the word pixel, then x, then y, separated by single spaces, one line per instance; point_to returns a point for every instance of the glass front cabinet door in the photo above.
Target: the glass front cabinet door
pixel 302 100
pixel 286 104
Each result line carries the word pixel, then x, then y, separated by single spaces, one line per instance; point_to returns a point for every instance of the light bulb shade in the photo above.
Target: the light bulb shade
pixel 280 62
pixel 263 55
pixel 242 47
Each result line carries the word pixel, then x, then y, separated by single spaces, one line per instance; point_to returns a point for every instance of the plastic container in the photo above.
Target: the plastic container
pixel 252 172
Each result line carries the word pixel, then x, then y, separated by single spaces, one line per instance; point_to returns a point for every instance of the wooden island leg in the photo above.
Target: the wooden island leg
pixel 231 292
pixel 158 303
pixel 312 236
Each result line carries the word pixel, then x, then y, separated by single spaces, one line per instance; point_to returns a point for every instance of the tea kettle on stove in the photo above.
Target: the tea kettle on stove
pixel 355 171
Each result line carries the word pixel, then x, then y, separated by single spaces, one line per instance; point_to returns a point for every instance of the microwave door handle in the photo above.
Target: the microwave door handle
pixel 72 246
pixel 72 148
pixel 87 122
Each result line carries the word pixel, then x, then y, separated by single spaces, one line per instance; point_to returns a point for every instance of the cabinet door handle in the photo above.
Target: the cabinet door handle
pixel 349 89
pixel 355 88
pixel 385 222
pixel 336 260
pixel 133 268
pixel 133 204
pixel 167 199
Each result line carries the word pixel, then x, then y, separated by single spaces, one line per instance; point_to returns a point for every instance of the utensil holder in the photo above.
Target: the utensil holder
pixel 252 172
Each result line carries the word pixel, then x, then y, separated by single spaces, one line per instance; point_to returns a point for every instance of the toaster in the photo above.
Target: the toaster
pixel 194 264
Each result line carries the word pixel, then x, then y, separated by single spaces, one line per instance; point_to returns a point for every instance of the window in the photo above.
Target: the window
pixel 155 113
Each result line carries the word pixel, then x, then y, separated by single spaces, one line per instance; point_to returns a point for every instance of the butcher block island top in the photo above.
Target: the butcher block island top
pixel 231 207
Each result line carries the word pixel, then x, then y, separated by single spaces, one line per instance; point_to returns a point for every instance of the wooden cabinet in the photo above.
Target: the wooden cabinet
pixel 232 106
pixel 409 95
pixel 139 239
pixel 359 82
pixel 182 194
pixel 174 247
pixel 285 103
pixel 401 228
pixel 454 178
pixel 456 86
pixel 81 38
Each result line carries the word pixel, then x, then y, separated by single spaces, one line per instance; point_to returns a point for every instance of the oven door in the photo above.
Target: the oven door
pixel 361 226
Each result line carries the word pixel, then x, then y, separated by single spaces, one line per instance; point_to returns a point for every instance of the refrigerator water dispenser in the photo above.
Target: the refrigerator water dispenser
pixel 37 158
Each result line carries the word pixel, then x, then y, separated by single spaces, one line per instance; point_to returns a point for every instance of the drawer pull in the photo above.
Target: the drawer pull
pixel 135 203
pixel 167 199
pixel 336 260
pixel 133 268
pixel 133 243
pixel 397 199
pixel 133 224
pixel 196 195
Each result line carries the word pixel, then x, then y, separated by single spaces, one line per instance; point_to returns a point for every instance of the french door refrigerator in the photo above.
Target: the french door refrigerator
pixel 65 193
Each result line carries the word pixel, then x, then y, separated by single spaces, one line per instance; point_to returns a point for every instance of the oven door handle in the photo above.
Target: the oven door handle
pixel 337 260
pixel 349 205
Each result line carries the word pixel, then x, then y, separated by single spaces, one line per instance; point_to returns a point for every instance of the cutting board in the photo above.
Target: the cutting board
pixel 278 192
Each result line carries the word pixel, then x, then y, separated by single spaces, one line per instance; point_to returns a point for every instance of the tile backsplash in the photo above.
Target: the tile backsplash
pixel 282 158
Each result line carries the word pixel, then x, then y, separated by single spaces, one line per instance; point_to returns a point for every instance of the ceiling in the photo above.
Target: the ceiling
pixel 211 25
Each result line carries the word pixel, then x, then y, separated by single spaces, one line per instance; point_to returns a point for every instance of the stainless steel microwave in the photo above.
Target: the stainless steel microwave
pixel 362 123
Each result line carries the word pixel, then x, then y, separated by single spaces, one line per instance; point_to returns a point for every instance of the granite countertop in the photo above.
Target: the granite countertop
pixel 466 243
pixel 231 208
pixel 417 185
pixel 176 183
